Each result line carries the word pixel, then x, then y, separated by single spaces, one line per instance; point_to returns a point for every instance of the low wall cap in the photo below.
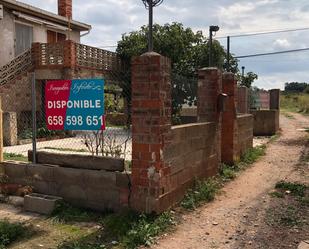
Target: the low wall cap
pixel 151 54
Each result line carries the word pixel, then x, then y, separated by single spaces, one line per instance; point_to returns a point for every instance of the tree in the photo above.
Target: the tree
pixel 295 86
pixel 187 50
pixel 248 79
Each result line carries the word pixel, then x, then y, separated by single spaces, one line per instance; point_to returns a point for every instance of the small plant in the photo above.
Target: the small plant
pixel 227 172
pixel 296 189
pixel 64 212
pixel 253 154
pixel 10 232
pixel 276 194
pixel 204 191
pixel 15 157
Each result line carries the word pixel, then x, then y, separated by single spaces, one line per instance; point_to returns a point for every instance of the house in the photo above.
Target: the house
pixel 48 44
pixel 22 24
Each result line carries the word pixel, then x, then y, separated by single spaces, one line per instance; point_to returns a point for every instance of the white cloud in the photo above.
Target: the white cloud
pixel 282 44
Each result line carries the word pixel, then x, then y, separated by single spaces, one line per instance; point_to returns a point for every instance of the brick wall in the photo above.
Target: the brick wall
pixel 242 99
pixel 245 133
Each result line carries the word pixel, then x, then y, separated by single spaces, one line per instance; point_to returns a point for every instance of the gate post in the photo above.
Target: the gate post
pixel 229 120
pixel 208 98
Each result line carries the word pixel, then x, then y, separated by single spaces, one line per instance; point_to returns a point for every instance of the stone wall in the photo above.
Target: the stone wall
pixel 245 133
pixel 266 122
pixel 94 189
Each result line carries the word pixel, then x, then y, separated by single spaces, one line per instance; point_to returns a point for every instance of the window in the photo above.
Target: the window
pixel 23 38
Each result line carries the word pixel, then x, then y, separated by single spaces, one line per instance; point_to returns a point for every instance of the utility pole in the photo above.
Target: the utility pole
pixel 150 4
pixel 242 74
pixel 228 65
pixel 212 29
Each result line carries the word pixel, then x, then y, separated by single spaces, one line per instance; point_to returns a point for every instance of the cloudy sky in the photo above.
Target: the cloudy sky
pixel 111 18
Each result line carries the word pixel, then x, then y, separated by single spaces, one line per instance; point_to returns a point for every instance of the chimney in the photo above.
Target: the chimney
pixel 65 8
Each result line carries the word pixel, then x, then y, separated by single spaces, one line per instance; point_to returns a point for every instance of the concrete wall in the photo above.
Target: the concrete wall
pixel 94 189
pixel 7 31
pixel 245 133
pixel 191 155
pixel 266 122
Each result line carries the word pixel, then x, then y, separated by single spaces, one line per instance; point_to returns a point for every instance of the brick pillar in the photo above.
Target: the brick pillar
pixel 69 54
pixel 209 89
pixel 242 99
pixel 274 99
pixel 151 130
pixel 229 120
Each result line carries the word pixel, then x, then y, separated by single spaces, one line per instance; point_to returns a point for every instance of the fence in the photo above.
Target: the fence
pixel 115 141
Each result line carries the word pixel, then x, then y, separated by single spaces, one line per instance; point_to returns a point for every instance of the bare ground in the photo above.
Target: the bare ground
pixel 238 218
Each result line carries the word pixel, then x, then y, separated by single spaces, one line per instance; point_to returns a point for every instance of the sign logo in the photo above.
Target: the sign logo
pixel 75 104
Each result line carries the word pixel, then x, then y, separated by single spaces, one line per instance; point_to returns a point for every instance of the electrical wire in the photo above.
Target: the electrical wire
pixel 264 33
pixel 272 53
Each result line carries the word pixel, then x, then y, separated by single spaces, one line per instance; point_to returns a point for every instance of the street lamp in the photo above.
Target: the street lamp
pixel 212 29
pixel 149 4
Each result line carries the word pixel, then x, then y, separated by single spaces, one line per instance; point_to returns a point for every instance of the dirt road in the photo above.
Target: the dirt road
pixel 238 217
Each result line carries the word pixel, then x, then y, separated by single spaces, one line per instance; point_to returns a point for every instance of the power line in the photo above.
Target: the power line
pixel 272 53
pixel 264 33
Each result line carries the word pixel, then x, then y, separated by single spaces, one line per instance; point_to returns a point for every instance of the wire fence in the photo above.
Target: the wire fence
pixel 184 99
pixel 114 141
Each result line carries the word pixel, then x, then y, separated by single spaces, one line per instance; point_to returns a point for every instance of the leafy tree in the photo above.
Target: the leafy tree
pixel 295 86
pixel 248 79
pixel 188 51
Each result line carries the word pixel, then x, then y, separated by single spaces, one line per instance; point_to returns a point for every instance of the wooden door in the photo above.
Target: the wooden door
pixel 51 36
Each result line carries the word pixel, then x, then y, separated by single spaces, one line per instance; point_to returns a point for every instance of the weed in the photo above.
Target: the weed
pixel 253 154
pixel 227 172
pixel 64 212
pixel 296 189
pixel 15 157
pixel 204 191
pixel 129 230
pixel 276 194
pixel 10 232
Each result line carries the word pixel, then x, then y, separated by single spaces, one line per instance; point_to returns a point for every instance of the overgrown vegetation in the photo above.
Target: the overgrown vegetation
pixel 228 172
pixel 10 232
pixel 295 102
pixel 15 157
pixel 65 212
pixel 126 230
pixel 204 191
pixel 292 210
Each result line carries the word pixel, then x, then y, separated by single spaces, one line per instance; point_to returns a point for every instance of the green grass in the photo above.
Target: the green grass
pixel 10 232
pixel 295 102
pixel 66 149
pixel 296 189
pixel 129 230
pixel 15 157
pixel 204 191
pixel 65 212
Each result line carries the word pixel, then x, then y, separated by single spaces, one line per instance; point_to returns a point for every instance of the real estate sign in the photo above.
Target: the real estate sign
pixel 75 104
